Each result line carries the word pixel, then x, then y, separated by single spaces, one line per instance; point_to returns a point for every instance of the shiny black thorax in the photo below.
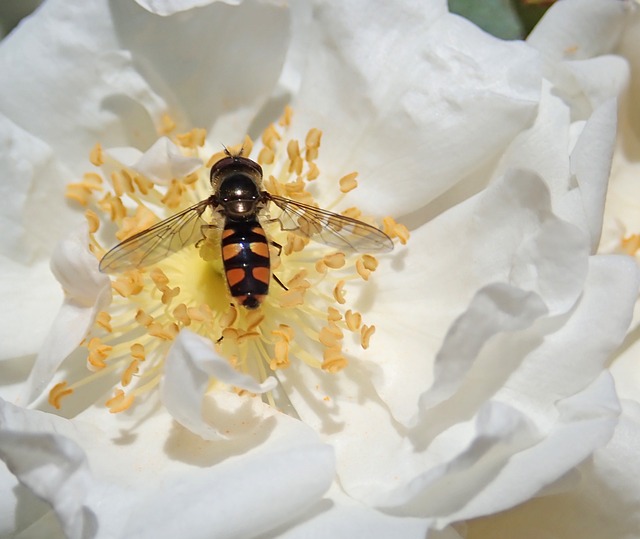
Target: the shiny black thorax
pixel 236 183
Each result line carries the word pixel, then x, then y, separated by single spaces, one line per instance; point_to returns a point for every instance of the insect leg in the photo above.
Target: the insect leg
pixel 275 277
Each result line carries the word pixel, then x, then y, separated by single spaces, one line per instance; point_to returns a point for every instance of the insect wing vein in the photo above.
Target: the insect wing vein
pixel 330 228
pixel 157 242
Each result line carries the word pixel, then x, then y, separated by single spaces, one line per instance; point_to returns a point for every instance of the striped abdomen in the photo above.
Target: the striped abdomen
pixel 245 254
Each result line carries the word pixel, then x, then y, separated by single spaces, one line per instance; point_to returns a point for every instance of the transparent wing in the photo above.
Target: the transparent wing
pixel 330 228
pixel 157 242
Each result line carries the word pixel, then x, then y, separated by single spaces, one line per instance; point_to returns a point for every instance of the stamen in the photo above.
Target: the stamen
pixel 395 230
pixel 365 335
pixel 630 244
pixel 96 156
pixel 57 393
pixel 103 319
pixel 348 182
pixel 119 402
pixel 192 139
pixel 365 265
pixel 304 322
pixel 167 124
pixel 353 320
pixel 339 292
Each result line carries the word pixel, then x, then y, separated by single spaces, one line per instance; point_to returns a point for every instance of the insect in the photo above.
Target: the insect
pixel 237 204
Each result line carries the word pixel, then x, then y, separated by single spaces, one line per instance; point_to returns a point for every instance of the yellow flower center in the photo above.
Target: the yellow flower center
pixel 306 319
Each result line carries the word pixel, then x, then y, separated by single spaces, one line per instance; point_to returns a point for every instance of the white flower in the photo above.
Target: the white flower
pixel 486 379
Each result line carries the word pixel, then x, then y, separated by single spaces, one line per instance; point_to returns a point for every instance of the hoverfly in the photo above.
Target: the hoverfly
pixel 237 202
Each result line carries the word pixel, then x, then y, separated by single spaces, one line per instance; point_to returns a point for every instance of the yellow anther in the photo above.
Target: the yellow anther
pixel 78 193
pixel 365 265
pixel 354 213
pixel 173 196
pixel 299 279
pixel 295 244
pixel 334 260
pixel 166 332
pixel 630 244
pixel 167 124
pixel 191 179
pixel 330 336
pixel 285 119
pixel 158 277
pixel 168 294
pixel 313 172
pixel 143 184
pixel 266 156
pixel 270 137
pixel 333 360
pixel 339 292
pixel 293 152
pixel 281 355
pixel 119 402
pixel 243 149
pixel 83 191
pixel 192 139
pixel 129 373
pixel 292 298
pixel 143 318
pixel 284 332
pixel 57 393
pixel 181 314
pixel 122 182
pixel 333 314
pixel 137 351
pixel 365 334
pixel 395 230
pixel 128 284
pixel 353 320
pixel 103 319
pixel 98 352
pixel 348 182
pixel 312 143
pixel 96 155
pixel 113 206
pixel 313 138
pixel 229 317
pixel 230 334
pixel 93 221
pixel 141 220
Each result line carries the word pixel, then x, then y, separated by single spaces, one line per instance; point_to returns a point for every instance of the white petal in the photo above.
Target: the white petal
pixel 31 297
pixel 52 466
pixel 125 78
pixel 31 194
pixel 414 112
pixel 605 496
pixel 495 309
pixel 170 7
pixel 578 29
pixel 189 367
pixel 338 515
pixel 154 478
pixel 240 498
pixel 591 164
pixel 426 288
pixel 87 292
pixel 161 163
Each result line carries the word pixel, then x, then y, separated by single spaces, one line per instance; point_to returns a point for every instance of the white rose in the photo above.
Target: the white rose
pixel 485 381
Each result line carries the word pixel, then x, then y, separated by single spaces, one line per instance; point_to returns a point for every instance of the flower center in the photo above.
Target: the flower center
pixel 305 316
